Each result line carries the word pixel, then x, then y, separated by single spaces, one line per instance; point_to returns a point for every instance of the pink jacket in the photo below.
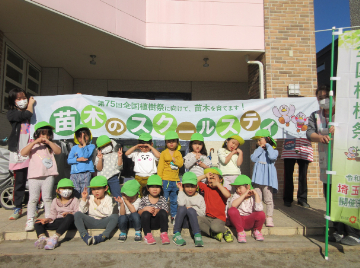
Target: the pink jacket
pixel 57 208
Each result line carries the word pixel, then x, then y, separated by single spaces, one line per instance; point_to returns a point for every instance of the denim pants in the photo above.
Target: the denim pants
pixel 186 218
pixel 80 180
pixel 170 190
pixel 129 220
pixel 114 185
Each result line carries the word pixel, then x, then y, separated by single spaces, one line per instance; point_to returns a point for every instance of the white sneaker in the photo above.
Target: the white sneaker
pixel 29 225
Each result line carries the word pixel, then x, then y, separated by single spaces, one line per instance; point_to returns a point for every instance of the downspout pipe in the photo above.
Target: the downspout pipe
pixel 261 74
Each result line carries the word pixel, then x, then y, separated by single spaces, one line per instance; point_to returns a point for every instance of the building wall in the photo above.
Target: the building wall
pixel 5 126
pixel 290 58
pixel 56 81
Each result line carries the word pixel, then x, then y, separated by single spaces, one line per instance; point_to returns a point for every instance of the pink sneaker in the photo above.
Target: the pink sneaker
pixel 164 238
pixel 41 242
pixel 241 237
pixel 258 235
pixel 269 222
pixel 149 239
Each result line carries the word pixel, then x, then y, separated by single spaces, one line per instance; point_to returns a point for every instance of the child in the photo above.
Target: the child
pixel 196 160
pixel 129 205
pixel 145 160
pixel 61 217
pixel 19 113
pixel 42 170
pixel 102 212
pixel 190 205
pixel 215 195
pixel 109 163
pixel 153 210
pixel 168 169
pixel 264 176
pixel 246 210
pixel 230 159
pixel 80 159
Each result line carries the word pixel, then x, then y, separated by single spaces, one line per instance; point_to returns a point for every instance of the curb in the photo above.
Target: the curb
pixel 279 231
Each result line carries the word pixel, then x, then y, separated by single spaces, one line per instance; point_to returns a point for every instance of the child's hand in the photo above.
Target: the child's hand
pixel 120 153
pixel 32 101
pixel 156 210
pixel 215 183
pixel 43 221
pixel 201 164
pixel 118 199
pixel 208 175
pixel 84 194
pixel 246 193
pixel 100 155
pixel 39 140
pixel 238 151
pixel 81 159
pixel 179 185
pixel 197 156
pixel 150 209
pixel 252 192
pixel 83 139
pixel 65 214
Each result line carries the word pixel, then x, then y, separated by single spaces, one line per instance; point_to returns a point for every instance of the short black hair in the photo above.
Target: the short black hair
pixel 203 149
pixel 145 142
pixel 145 191
pixel 268 140
pixel 13 95
pixel 226 141
pixel 325 88
pixel 49 132
pixel 80 131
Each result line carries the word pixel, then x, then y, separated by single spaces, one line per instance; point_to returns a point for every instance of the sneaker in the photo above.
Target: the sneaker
pixel 269 222
pixel 52 242
pixel 198 240
pixel 217 236
pixel 350 241
pixel 172 220
pixel 87 239
pixel 258 235
pixel 29 225
pixel 149 239
pixel 36 215
pixel 164 238
pixel 137 237
pixel 228 236
pixel 241 237
pixel 178 240
pixel 122 237
pixel 336 237
pixel 16 214
pixel 303 204
pixel 41 242
pixel 99 239
pixel 287 204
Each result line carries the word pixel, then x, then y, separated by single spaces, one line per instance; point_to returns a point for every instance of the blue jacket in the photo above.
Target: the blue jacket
pixel 264 172
pixel 77 152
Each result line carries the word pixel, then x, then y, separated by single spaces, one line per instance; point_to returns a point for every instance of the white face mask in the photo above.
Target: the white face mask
pixel 107 149
pixel 325 104
pixel 65 193
pixel 22 104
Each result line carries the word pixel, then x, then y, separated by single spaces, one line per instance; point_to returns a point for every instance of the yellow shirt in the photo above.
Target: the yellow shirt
pixel 164 167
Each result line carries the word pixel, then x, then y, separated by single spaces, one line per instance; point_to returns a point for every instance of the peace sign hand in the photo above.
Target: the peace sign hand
pixel 84 194
pixel 120 153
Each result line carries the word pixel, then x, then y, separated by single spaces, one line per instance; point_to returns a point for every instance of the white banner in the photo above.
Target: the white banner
pixel 215 120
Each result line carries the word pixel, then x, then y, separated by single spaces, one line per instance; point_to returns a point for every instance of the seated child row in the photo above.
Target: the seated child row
pixel 108 163
pixel 198 213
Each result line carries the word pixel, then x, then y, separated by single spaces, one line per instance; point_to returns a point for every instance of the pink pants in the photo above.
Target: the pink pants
pixel 254 221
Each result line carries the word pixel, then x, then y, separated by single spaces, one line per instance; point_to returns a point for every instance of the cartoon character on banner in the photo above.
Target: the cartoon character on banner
pixel 300 120
pixel 284 113
pixel 351 153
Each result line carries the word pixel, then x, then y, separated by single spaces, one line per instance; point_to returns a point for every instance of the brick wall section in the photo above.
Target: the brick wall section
pixel 290 58
pixel 253 78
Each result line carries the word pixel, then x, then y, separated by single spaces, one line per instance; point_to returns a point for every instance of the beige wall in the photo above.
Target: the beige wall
pixel 56 81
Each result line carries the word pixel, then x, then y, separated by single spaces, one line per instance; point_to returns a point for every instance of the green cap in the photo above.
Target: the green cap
pixel 242 180
pixel 130 188
pixel 145 137
pixel 154 180
pixel 197 137
pixel 171 135
pixel 213 170
pixel 65 182
pixel 42 124
pixel 189 178
pixel 98 181
pixel 80 127
pixel 262 133
pixel 102 140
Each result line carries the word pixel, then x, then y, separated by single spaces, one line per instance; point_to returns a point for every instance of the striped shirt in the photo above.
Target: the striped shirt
pixel 298 148
pixel 161 203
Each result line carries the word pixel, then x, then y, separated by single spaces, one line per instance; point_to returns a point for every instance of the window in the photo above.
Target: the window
pixel 321 67
pixel 19 72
